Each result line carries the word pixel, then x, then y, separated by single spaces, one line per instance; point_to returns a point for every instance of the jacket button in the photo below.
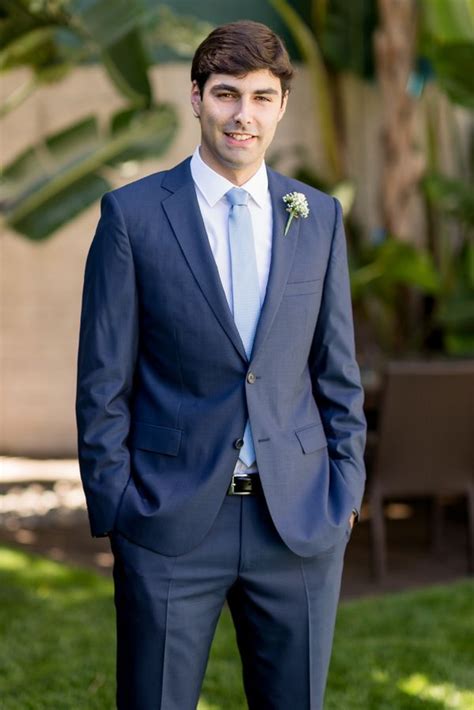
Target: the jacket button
pixel 238 443
pixel 251 378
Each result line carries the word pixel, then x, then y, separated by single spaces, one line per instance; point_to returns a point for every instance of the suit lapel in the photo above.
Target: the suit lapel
pixel 184 215
pixel 283 251
pixel 186 221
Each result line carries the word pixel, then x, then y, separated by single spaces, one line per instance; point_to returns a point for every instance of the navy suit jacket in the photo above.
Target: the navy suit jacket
pixel 163 391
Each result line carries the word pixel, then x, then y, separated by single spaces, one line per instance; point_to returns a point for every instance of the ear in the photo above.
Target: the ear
pixel 196 99
pixel 284 103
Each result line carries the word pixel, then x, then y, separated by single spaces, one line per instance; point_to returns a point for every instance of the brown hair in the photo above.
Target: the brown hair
pixel 238 48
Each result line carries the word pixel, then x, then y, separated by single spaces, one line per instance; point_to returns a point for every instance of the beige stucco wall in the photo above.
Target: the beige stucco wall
pixel 41 283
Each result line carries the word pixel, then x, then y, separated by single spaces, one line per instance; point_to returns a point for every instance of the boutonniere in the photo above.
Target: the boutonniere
pixel 297 205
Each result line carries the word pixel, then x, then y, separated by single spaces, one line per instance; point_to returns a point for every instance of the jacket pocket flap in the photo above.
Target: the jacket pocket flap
pixel 311 438
pixel 301 288
pixel 161 439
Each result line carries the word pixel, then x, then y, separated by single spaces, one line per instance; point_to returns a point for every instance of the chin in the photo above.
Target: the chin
pixel 243 159
pixel 233 161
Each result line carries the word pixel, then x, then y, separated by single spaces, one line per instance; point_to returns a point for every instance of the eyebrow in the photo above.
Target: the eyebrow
pixel 235 90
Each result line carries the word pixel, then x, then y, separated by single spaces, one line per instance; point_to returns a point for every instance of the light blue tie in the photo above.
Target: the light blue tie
pixel 245 286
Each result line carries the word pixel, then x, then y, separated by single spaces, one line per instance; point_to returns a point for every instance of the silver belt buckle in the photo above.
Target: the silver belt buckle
pixel 237 493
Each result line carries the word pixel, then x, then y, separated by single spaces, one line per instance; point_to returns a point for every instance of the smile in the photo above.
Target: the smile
pixel 241 137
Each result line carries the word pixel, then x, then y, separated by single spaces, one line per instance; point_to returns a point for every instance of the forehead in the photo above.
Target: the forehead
pixel 255 81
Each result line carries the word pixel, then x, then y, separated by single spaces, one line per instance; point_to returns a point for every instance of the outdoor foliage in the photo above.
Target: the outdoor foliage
pixel 380 275
pixel 51 182
pixel 406 651
pixel 453 311
pixel 447 39
pixel 410 300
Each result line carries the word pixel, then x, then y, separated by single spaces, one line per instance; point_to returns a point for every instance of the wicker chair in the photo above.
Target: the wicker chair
pixel 425 443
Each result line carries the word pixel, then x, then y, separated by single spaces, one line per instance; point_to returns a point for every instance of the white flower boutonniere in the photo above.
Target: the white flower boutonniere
pixel 297 205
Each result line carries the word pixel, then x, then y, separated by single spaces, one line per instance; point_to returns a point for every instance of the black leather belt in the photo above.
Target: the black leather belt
pixel 245 485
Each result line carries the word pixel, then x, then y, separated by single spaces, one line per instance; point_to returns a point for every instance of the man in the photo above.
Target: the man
pixel 219 404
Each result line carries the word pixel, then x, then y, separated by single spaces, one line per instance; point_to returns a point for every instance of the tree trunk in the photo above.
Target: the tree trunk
pixel 403 164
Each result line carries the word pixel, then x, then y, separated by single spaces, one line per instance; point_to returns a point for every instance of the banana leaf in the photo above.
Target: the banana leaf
pixel 117 29
pixel 52 45
pixel 453 197
pixel 107 22
pixel 35 38
pixel 311 53
pixel 37 47
pixel 391 264
pixel 447 39
pixel 127 63
pixel 345 35
pixel 449 21
pixel 455 313
pixel 50 183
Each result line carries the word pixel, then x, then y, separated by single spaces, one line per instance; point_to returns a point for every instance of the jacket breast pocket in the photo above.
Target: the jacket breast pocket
pixel 311 438
pixel 161 439
pixel 301 288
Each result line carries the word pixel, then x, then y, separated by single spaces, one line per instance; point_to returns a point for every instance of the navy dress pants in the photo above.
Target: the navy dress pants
pixel 283 607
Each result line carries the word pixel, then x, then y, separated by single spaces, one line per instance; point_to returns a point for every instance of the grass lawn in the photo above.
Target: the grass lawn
pixel 407 651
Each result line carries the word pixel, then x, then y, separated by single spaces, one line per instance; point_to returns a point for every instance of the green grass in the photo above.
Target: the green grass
pixel 406 651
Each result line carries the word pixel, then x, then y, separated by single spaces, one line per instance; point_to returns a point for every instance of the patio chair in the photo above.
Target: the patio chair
pixel 425 443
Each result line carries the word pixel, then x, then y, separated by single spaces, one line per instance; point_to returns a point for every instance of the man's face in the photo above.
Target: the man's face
pixel 238 118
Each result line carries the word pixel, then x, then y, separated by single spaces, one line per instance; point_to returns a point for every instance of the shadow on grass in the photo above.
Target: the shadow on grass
pixel 409 651
pixel 57 635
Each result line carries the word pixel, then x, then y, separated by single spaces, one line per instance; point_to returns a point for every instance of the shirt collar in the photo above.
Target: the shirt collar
pixel 213 186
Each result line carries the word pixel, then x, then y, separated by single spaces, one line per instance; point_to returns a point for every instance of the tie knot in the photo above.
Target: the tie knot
pixel 237 196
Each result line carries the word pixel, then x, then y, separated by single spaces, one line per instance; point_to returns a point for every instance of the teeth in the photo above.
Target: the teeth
pixel 240 137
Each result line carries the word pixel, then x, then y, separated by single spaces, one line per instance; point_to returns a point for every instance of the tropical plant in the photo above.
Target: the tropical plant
pixel 452 312
pixel 447 40
pixel 384 277
pixel 310 51
pixel 51 182
pixel 410 297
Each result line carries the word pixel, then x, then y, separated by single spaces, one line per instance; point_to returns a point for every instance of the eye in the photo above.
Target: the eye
pixel 263 98
pixel 225 95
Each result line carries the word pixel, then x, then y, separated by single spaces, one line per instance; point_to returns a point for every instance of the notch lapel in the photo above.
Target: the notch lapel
pixel 283 252
pixel 185 217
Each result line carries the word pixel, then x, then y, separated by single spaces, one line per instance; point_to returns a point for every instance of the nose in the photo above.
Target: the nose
pixel 243 114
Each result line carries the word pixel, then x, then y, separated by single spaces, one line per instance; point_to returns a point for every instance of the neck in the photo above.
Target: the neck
pixel 237 176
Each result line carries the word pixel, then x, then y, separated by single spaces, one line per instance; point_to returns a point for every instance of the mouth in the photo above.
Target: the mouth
pixel 241 138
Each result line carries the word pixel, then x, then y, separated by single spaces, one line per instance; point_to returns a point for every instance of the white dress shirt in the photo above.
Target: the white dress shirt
pixel 211 189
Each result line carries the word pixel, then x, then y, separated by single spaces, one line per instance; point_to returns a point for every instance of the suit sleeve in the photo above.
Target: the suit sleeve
pixel 108 342
pixel 335 375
